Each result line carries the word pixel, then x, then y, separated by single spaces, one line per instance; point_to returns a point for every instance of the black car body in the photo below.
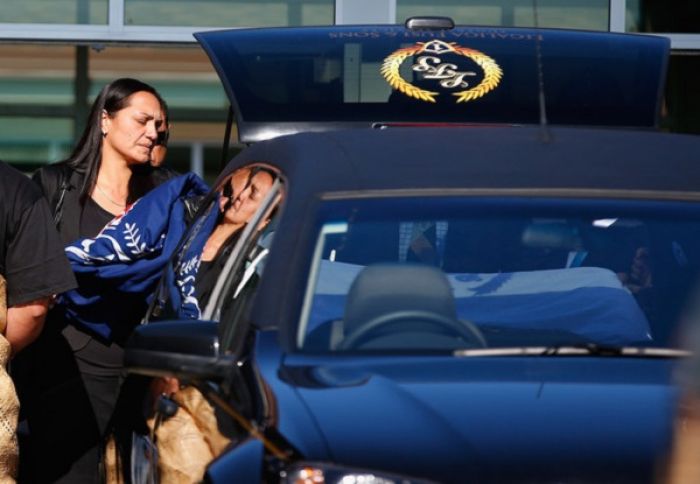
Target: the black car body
pixel 534 341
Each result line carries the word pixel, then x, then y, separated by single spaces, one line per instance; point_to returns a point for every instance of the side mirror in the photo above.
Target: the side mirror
pixel 187 349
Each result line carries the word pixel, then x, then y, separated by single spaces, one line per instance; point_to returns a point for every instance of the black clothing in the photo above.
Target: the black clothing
pixel 61 184
pixel 162 174
pixel 209 271
pixel 93 356
pixel 83 381
pixel 206 278
pixel 67 412
pixel 31 254
pixel 93 218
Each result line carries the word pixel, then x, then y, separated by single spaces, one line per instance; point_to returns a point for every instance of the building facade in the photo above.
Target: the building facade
pixel 55 55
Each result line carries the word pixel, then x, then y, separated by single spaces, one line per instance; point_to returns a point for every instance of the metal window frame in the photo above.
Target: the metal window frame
pixel 91 34
pixel 346 12
pixel 617 9
pixel 115 31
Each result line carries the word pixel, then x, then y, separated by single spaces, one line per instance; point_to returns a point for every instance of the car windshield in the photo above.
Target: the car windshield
pixel 448 273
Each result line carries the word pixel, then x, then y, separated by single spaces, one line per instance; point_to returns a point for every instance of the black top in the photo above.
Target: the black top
pixel 93 355
pixel 209 271
pixel 206 279
pixel 61 182
pixel 31 253
pixel 93 218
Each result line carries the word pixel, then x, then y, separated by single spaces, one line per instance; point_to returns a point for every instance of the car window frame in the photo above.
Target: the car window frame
pixel 212 310
pixel 235 264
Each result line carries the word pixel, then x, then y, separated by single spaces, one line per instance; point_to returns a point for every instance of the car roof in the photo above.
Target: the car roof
pixel 482 157
pixel 508 161
pixel 289 80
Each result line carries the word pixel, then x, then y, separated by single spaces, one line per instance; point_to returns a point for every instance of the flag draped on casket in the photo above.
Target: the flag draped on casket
pixel 588 302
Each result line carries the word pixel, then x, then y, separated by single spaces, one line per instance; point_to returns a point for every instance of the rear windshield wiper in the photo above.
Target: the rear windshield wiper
pixel 577 349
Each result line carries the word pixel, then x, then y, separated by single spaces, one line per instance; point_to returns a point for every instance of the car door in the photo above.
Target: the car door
pixel 226 247
pixel 242 268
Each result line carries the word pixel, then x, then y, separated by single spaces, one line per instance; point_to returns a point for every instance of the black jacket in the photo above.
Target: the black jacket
pixel 62 185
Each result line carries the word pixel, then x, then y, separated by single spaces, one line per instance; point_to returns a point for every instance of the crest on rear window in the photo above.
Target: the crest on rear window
pixel 437 61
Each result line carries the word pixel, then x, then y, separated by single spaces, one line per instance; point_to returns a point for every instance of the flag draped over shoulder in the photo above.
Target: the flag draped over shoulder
pixel 117 271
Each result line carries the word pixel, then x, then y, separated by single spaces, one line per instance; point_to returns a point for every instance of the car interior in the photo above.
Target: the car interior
pixel 515 280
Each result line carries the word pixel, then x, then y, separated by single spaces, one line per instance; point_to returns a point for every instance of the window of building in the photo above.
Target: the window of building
pixel 229 13
pixel 30 142
pixel 183 75
pixel 36 103
pixel 653 16
pixel 578 14
pixel 55 11
pixel 39 76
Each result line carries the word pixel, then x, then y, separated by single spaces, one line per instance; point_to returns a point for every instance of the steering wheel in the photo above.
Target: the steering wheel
pixel 464 329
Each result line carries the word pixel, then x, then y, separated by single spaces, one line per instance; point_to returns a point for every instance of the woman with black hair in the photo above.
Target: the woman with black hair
pixel 240 198
pixel 71 376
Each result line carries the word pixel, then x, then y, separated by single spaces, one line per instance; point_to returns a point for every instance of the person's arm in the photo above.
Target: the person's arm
pixel 35 265
pixel 25 322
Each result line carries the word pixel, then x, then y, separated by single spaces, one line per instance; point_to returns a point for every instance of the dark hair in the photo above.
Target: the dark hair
pixel 227 189
pixel 274 176
pixel 165 134
pixel 86 156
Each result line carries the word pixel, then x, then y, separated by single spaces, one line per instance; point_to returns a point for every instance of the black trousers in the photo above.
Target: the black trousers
pixel 67 412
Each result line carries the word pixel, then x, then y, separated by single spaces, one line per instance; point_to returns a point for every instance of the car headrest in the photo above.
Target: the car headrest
pixel 381 289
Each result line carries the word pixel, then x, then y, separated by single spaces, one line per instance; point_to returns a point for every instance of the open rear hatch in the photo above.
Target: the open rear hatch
pixel 286 80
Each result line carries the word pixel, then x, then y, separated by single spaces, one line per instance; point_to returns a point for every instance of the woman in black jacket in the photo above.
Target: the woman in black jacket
pixel 71 377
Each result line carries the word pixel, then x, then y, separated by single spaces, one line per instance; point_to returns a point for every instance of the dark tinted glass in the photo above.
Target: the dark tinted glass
pixel 525 272
pixel 347 74
pixel 682 95
pixel 679 16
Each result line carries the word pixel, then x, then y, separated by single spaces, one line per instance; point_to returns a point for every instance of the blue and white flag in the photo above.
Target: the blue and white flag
pixel 117 271
pixel 590 302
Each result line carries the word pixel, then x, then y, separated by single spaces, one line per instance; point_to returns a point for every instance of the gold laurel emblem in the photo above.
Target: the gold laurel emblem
pixel 390 70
